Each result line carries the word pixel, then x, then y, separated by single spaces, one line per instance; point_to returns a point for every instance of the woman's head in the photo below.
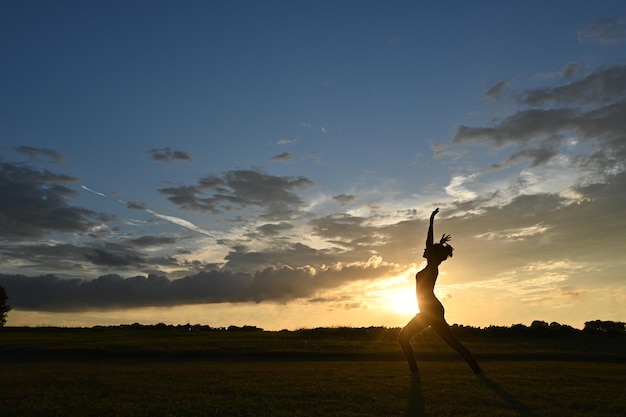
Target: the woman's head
pixel 438 252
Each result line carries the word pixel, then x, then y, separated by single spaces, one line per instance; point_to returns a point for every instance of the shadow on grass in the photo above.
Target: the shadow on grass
pixel 522 409
pixel 416 401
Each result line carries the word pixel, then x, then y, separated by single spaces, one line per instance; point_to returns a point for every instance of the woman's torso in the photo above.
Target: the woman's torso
pixel 425 290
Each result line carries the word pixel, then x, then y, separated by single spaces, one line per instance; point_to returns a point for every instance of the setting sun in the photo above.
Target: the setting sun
pixel 403 301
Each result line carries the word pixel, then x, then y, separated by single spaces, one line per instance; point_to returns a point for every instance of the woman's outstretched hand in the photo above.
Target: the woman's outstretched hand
pixel 434 213
pixel 445 239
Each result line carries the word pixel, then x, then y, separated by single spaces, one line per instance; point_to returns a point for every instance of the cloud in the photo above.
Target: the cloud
pixel 285 141
pixel 590 110
pixel 240 189
pixel 169 155
pixel 519 128
pixel 72 259
pixel 284 156
pixel 600 87
pixel 458 190
pixel 495 92
pixel 84 187
pixel 142 207
pixel 608 31
pixel 279 284
pixel 41 153
pixel 569 71
pixel 538 155
pixel 344 199
pixel 36 203
pixel 113 258
pixel 181 222
pixel 152 241
pixel 133 205
pixel 516 233
pixel 353 233
pixel 273 229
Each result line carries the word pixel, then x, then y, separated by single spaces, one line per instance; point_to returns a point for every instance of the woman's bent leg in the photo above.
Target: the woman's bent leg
pixel 443 330
pixel 413 327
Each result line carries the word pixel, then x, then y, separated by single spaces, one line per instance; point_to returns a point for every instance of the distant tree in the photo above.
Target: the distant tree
pixel 4 307
pixel 540 328
pixel 611 327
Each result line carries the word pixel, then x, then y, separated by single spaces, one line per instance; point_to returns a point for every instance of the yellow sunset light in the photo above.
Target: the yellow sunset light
pixel 403 301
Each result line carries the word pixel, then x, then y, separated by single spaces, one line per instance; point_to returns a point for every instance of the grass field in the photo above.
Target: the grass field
pixel 130 372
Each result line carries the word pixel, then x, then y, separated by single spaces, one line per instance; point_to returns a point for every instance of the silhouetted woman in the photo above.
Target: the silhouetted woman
pixel 431 311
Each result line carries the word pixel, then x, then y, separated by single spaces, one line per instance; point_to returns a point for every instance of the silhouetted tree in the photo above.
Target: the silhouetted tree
pixel 4 307
pixel 611 327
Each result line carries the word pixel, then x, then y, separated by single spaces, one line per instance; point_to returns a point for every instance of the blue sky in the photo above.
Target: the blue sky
pixel 275 163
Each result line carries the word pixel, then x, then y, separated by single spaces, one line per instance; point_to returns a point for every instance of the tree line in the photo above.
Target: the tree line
pixel 538 328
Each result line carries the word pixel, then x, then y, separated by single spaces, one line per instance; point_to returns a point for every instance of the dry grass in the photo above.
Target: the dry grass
pixel 78 373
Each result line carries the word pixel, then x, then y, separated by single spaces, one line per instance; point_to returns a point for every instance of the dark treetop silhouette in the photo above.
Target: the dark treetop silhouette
pixel 431 310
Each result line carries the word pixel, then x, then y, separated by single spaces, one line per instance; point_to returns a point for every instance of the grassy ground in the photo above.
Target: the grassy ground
pixel 90 373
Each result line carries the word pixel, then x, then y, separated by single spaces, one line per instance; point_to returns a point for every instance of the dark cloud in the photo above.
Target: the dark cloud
pixel 36 202
pixel 283 156
pixel 41 153
pixel 41 257
pixel 241 258
pixel 591 109
pixel 239 189
pixel 341 226
pixel 152 241
pixel 135 205
pixel 51 293
pixel 495 92
pixel 568 72
pixel 113 258
pixel 273 229
pixel 571 70
pixel 72 258
pixel 353 237
pixel 519 128
pixel 344 199
pixel 606 31
pixel 539 155
pixel 600 87
pixel 169 155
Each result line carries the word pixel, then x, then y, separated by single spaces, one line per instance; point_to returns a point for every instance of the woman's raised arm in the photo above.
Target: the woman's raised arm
pixel 429 237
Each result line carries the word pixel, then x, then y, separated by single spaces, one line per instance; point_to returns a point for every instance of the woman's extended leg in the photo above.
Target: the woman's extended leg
pixel 445 333
pixel 413 327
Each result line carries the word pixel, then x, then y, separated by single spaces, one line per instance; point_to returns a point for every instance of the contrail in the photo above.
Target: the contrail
pixel 181 222
pixel 176 220
pixel 92 191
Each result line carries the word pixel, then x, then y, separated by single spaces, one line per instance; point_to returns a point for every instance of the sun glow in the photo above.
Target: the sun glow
pixel 403 301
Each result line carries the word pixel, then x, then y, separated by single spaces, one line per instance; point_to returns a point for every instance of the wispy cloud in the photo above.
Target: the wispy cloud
pixel 344 199
pixel 169 155
pixel 496 91
pixel 283 157
pixel 608 31
pixel 286 141
pixel 41 153
pixel 172 219
pixel 181 222
pixel 516 233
